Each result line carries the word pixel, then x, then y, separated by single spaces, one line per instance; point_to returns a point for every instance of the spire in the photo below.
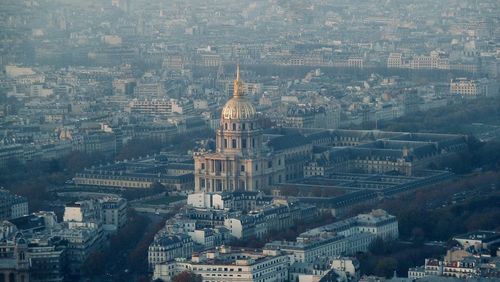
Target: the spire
pixel 237 92
pixel 238 72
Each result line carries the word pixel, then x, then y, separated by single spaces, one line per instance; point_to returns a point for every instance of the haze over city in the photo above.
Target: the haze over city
pixel 249 141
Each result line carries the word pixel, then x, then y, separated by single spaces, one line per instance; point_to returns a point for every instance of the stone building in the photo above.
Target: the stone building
pixel 241 161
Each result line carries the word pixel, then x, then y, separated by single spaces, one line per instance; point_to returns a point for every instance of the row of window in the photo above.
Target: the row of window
pixel 235 127
pixel 234 143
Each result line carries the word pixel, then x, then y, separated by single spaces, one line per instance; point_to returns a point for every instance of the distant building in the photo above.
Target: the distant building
pixel 14 259
pixel 479 240
pixel 9 153
pixel 114 213
pixel 466 268
pixel 471 260
pixel 138 174
pixel 240 201
pixel 149 87
pixel 83 239
pixel 395 60
pixel 169 247
pixel 83 211
pixel 225 264
pixel 155 107
pixel 240 162
pixel 95 142
pixel 434 61
pixel 12 206
pixel 209 238
pixel 48 259
pixel 344 237
pixel 110 212
pixel 468 87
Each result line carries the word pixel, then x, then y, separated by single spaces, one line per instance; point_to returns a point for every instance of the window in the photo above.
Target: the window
pixel 233 143
pixel 242 167
pixel 234 126
pixel 256 167
pixel 225 143
pixel 269 164
pixel 243 126
pixel 225 126
pixel 243 143
pixel 253 142
pixel 202 166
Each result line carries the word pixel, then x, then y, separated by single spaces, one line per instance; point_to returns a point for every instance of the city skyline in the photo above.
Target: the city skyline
pixel 266 141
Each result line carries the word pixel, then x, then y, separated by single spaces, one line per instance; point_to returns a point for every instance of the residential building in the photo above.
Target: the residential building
pixel 344 237
pixel 12 205
pixel 155 107
pixel 114 213
pixel 478 240
pixel 224 264
pixel 469 87
pixel 14 259
pixel 48 259
pixel 166 248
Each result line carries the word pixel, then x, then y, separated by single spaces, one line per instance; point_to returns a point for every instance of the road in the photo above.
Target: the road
pixel 117 270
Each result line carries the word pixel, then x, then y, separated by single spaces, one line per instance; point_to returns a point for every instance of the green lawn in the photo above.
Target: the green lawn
pixel 164 200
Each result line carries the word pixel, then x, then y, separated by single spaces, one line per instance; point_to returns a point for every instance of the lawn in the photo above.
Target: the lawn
pixel 164 200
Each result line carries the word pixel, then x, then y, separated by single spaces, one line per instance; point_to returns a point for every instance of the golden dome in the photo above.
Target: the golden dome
pixel 238 107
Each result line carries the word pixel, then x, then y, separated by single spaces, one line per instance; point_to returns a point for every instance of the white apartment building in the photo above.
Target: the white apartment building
pixel 169 247
pixel 227 265
pixel 309 249
pixel 114 213
pixel 82 211
pixel 149 89
pixel 340 238
pixel 464 268
pixel 83 239
pixel 209 237
pixel 468 87
pixel 395 60
pixel 155 107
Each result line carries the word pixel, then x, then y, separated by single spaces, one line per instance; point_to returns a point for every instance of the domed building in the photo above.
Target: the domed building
pixel 240 162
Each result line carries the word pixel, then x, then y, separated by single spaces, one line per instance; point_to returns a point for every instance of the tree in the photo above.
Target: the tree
pixel 94 264
pixel 385 267
pixel 158 187
pixel 187 276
